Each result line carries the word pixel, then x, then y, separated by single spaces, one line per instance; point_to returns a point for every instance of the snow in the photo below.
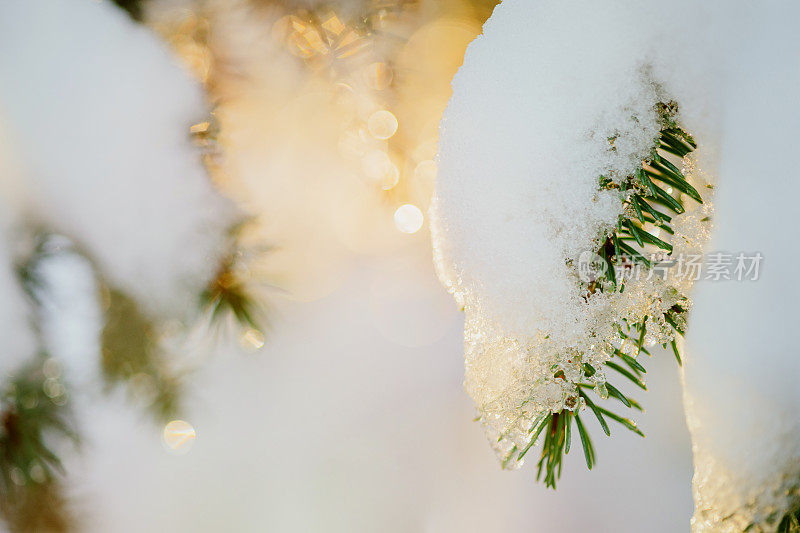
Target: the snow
pixel 98 114
pixel 522 144
pixel 102 155
pixel 742 366
pixel 528 140
pixel 18 340
pixel 15 319
pixel 524 141
pixel 69 311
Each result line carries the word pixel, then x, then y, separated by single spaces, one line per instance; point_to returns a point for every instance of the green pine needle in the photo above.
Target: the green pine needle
pixel 631 362
pixel 626 245
pixel 622 370
pixel 597 412
pixel 676 352
pixel 586 442
pixel 615 392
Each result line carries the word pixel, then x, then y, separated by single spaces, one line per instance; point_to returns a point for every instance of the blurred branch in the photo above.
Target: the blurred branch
pixel 34 414
pixel 228 295
pixel 133 7
pixel 130 354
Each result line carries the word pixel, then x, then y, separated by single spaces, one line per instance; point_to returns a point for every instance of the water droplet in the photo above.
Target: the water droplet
pixel 251 340
pixel 602 390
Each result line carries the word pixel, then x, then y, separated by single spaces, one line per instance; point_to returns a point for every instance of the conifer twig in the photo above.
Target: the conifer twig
pixel 649 195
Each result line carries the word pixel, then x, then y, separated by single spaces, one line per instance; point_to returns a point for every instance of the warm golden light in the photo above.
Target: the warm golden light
pixel 379 167
pixel 200 127
pixel 379 76
pixel 390 179
pixel 334 25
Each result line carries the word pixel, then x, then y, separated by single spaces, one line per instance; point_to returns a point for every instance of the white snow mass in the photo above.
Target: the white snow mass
pixel 555 95
pixel 98 113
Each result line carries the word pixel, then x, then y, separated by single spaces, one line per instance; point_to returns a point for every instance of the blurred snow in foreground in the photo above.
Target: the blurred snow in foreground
pixel 336 424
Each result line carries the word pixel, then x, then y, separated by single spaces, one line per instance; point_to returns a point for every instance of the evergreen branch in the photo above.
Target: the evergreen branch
pixel 671 322
pixel 227 294
pixel 33 412
pixel 597 412
pixel 33 415
pixel 631 362
pixel 676 352
pixel 130 354
pixel 641 194
pixel 133 7
pixel 615 392
pixel 790 522
pixel 586 442
pixel 635 380
pixel 624 421
pixel 634 254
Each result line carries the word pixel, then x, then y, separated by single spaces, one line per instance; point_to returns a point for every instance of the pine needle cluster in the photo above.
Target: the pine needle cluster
pixel 653 194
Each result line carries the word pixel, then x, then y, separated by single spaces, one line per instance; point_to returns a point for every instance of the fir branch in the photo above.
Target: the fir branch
pixel 33 413
pixel 130 354
pixel 228 294
pixel 130 351
pixel 132 7
pixel 790 522
pixel 39 507
pixel 646 200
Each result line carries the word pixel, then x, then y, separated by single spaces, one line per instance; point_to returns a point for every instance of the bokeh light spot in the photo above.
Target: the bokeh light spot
pixel 382 124
pixel 378 166
pixel 425 172
pixel 179 436
pixel 408 218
